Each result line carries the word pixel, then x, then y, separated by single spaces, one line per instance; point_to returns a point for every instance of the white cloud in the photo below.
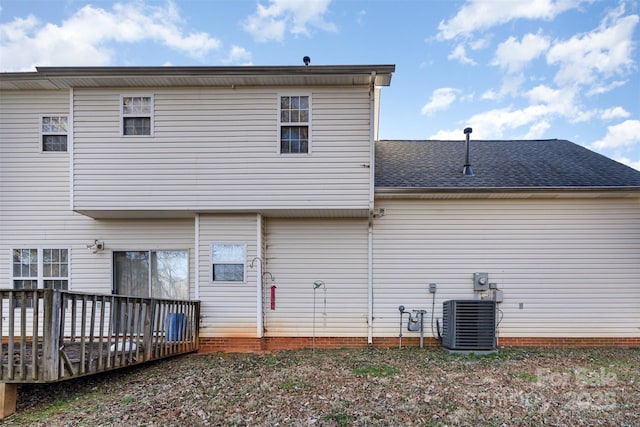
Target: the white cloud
pixel 495 123
pixel 17 29
pixel 238 55
pixel 511 85
pixel 441 99
pixel 483 14
pixel 490 95
pixel 460 54
pixel 294 16
pixel 624 134
pixel 514 55
pixel 478 44
pixel 583 116
pixel 627 161
pixel 545 94
pixel 563 100
pixel 537 130
pixel 614 113
pixel 599 88
pixel 91 35
pixel 602 53
pixel 451 135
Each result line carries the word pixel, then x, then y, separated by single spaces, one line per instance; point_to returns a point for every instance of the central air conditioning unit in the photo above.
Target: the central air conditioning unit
pixel 469 325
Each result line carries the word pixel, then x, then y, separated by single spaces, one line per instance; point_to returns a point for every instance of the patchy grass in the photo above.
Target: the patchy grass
pixel 350 388
pixel 376 371
pixel 525 376
pixel 340 418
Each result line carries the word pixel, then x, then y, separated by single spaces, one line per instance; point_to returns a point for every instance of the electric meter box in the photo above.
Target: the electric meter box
pixel 480 281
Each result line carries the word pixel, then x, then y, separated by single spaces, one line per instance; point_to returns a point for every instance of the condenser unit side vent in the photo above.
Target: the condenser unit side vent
pixel 469 325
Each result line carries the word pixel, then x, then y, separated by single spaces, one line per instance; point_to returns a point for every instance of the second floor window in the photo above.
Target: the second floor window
pixel 294 124
pixel 54 130
pixel 137 115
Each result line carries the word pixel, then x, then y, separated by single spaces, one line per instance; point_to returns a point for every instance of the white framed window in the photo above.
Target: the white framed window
pixel 137 115
pixel 294 123
pixel 228 262
pixel 54 131
pixel 40 268
pixel 152 273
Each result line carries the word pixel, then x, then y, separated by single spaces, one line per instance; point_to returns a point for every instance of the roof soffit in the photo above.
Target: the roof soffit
pixel 68 77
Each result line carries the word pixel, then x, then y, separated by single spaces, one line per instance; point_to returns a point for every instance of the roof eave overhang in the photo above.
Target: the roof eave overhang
pixel 78 77
pixel 506 192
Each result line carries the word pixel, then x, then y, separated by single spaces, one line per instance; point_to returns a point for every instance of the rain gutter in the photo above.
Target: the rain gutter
pixel 507 192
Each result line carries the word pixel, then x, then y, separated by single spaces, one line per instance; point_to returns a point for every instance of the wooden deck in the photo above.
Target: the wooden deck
pixel 50 335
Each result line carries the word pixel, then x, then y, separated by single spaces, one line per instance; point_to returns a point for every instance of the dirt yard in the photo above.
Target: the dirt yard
pixel 351 388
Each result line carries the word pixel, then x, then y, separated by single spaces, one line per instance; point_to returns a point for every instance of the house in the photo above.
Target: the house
pixel 264 193
pixel 555 226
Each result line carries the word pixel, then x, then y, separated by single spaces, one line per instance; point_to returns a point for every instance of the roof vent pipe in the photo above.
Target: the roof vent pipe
pixel 466 170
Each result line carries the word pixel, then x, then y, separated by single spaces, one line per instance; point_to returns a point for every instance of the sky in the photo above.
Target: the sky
pixel 510 69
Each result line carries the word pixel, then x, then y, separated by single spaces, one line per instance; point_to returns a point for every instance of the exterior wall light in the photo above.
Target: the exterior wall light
pixel 96 246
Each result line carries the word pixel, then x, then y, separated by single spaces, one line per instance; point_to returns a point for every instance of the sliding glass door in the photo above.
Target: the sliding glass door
pixel 155 274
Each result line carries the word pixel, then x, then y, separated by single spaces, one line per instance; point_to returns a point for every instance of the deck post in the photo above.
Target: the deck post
pixel 147 344
pixel 8 394
pixel 51 345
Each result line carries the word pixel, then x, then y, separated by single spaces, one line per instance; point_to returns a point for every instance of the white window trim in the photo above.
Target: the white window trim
pixel 244 264
pixel 151 115
pixel 42 134
pixel 280 124
pixel 40 277
pixel 146 249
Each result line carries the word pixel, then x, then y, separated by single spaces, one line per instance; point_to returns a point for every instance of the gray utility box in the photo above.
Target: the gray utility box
pixel 480 281
pixel 469 325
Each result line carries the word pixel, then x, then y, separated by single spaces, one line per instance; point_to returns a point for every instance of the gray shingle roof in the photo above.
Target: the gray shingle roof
pixel 537 164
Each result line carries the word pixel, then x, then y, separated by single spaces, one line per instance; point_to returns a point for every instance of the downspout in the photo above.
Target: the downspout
pixel 259 325
pixel 196 256
pixel 71 125
pixel 372 160
pixel 70 148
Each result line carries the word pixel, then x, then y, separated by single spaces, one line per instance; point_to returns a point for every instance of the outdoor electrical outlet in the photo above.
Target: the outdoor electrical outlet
pixel 432 288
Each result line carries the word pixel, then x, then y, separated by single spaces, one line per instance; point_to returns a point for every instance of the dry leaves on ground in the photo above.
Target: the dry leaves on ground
pixel 350 388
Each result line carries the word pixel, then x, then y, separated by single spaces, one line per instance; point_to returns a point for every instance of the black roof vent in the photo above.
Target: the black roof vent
pixel 466 170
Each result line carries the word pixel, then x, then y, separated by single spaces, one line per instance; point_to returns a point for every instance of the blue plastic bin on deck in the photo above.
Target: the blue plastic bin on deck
pixel 176 326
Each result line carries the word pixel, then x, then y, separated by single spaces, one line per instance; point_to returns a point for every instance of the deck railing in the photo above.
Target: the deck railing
pixel 51 335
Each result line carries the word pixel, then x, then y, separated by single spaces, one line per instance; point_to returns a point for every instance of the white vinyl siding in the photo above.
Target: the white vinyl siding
pixel 35 209
pixel 228 308
pixel 301 251
pixel 213 150
pixel 34 186
pixel 91 272
pixel 573 264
